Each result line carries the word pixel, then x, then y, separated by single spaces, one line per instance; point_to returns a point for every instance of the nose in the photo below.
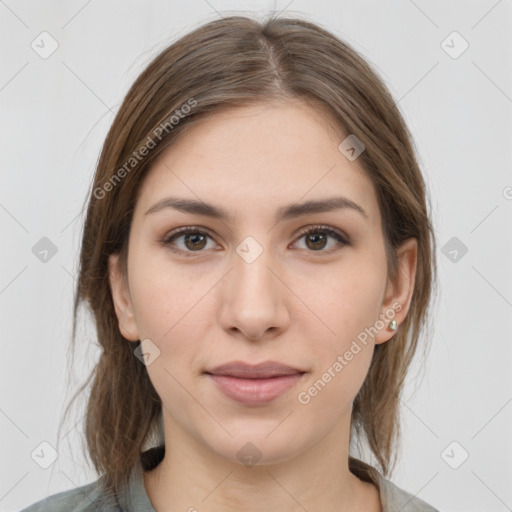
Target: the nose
pixel 254 299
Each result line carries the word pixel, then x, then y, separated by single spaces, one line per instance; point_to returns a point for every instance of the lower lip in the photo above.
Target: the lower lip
pixel 255 391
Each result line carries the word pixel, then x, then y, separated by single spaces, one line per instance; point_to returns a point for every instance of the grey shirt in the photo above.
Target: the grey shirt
pixel 134 498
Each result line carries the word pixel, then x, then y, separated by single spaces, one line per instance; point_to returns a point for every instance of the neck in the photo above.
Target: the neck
pixel 193 478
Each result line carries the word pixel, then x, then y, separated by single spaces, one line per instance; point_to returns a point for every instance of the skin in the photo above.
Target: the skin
pixel 293 304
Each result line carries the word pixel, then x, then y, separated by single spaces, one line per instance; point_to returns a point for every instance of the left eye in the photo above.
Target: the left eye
pixel 195 240
pixel 316 238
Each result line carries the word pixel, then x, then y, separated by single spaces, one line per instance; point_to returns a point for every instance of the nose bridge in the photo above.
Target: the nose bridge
pixel 253 301
pixel 253 281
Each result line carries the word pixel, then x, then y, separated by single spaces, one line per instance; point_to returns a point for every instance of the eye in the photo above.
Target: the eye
pixel 316 239
pixel 196 239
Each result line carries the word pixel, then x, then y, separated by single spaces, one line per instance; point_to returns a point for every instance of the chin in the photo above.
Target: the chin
pixel 258 449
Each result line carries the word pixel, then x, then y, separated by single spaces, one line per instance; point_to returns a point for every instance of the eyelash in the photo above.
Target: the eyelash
pixel 342 240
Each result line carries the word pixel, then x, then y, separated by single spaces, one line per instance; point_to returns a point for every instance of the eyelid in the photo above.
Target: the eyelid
pixel 166 240
pixel 328 229
pixel 335 233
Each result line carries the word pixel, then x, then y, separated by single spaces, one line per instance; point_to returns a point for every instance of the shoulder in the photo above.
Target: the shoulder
pixel 89 497
pixel 93 498
pixel 394 498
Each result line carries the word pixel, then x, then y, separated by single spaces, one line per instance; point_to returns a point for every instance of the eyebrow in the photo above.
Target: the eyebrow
pixel 283 213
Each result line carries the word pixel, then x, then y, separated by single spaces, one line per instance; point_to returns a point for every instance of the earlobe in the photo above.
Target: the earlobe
pixel 399 291
pixel 122 300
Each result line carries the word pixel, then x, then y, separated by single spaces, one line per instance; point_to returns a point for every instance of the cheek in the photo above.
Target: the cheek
pixel 169 312
pixel 342 343
pixel 173 309
pixel 344 302
pixel 347 304
pixel 166 299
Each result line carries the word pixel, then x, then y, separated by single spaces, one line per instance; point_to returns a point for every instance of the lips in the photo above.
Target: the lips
pixel 254 385
pixel 262 370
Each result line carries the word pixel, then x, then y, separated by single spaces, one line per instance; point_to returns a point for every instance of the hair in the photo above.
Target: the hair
pixel 229 63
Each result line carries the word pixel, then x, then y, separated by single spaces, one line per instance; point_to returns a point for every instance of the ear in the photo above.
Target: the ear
pixel 399 291
pixel 122 300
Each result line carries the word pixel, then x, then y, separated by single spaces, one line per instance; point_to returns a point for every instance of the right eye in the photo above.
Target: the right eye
pixel 194 240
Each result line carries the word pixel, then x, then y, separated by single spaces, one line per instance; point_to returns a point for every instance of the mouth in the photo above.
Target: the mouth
pixel 254 385
pixel 264 370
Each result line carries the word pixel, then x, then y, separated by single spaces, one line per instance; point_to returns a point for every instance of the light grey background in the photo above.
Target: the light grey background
pixel 56 113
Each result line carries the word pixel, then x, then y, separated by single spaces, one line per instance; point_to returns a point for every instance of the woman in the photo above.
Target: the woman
pixel 259 259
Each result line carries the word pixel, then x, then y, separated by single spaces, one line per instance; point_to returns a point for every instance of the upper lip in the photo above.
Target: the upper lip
pixel 254 371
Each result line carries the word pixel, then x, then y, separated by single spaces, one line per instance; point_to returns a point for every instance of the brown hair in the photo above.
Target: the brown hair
pixel 226 63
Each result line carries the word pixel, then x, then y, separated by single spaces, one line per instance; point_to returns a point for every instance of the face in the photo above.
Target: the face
pixel 308 289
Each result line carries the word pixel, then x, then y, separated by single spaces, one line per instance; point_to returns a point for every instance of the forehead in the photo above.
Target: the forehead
pixel 260 156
